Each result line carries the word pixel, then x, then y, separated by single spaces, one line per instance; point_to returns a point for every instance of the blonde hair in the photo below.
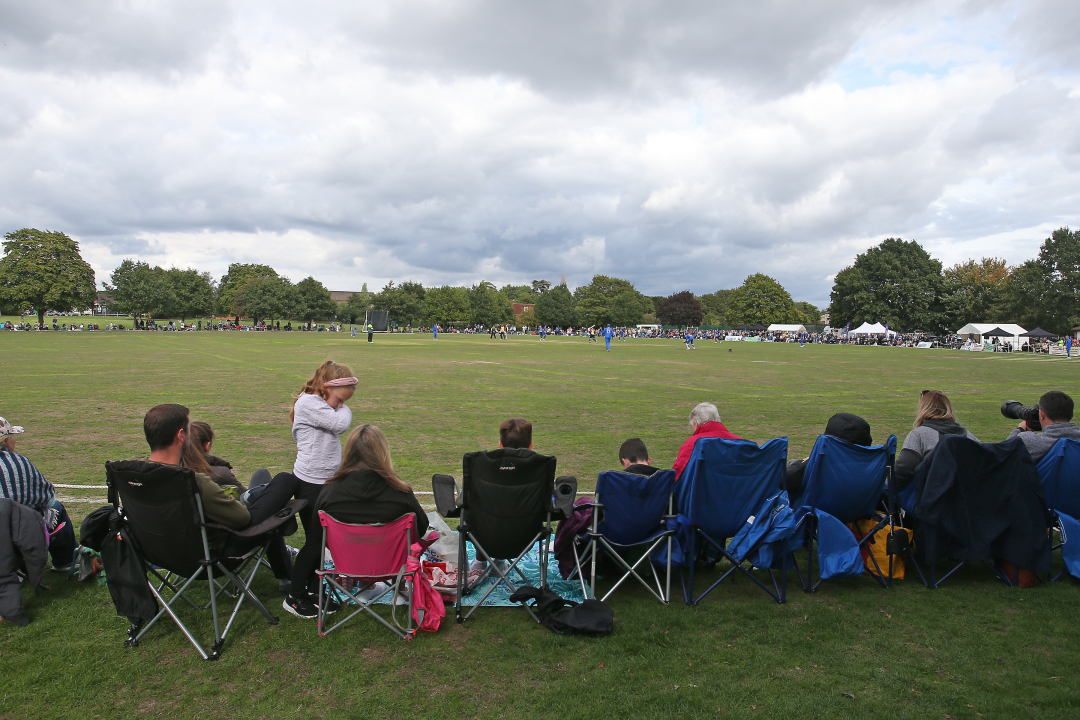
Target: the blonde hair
pixel 933 405
pixel 367 449
pixel 326 372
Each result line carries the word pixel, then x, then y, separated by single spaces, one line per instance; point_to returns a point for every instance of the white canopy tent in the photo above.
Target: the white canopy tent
pixel 868 329
pixel 778 327
pixel 977 329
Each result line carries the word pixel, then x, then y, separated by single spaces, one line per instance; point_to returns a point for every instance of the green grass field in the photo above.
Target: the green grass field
pixel 974 648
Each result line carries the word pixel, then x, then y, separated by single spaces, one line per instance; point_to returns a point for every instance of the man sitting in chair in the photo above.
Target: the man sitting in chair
pixel 634 457
pixel 1055 415
pixel 516 433
pixel 168 431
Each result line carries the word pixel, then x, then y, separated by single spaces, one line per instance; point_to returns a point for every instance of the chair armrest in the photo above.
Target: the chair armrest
pixel 446 495
pixel 274 521
pixel 565 495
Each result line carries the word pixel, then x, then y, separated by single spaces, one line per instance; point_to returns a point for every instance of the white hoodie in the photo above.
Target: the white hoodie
pixel 316 427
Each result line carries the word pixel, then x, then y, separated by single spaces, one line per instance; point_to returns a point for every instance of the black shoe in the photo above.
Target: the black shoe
pixel 330 605
pixel 300 607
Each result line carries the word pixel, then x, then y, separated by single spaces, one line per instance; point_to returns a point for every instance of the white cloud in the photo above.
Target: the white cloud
pixel 675 144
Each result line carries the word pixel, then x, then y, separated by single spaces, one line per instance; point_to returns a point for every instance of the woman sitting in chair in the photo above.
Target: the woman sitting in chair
pixel 365 489
pixel 933 418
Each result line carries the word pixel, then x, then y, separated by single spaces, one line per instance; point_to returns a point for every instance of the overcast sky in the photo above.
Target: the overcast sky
pixel 678 144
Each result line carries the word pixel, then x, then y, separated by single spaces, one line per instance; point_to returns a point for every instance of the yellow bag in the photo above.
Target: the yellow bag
pixel 876 545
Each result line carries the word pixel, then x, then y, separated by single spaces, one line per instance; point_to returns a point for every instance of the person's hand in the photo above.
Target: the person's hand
pixel 1023 425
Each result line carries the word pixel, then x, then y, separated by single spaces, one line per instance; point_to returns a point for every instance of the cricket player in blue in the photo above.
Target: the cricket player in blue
pixel 354 331
pixel 543 333
pixel 607 337
pixel 435 331
pixel 690 341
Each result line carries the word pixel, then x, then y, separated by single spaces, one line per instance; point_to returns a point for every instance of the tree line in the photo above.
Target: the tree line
pixel 896 282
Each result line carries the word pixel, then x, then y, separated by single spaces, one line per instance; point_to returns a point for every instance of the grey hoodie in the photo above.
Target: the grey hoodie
pixel 316 427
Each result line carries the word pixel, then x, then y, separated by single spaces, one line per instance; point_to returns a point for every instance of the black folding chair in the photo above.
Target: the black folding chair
pixel 505 507
pixel 985 504
pixel 163 512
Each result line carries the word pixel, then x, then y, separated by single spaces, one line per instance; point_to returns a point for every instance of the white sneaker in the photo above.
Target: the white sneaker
pixel 372 592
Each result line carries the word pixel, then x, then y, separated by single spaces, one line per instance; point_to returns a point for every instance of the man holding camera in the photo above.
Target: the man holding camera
pixel 1055 416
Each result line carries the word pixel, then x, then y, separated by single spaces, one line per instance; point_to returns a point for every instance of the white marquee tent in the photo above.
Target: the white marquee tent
pixel 977 329
pixel 868 329
pixel 777 327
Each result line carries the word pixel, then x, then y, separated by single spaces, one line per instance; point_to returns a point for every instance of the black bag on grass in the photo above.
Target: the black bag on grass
pixel 566 617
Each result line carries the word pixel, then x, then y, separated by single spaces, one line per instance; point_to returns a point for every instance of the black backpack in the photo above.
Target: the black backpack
pixel 566 617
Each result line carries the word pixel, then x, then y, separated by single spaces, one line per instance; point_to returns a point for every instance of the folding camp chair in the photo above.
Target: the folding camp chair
pixel 847 482
pixel 630 511
pixel 1060 473
pixel 163 512
pixel 505 505
pixel 977 485
pixel 723 484
pixel 369 554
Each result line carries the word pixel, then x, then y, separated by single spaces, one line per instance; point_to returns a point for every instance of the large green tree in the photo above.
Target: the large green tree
pixel 405 302
pixel 314 301
pixel 610 300
pixel 489 306
pixel 519 293
pixel 1054 302
pixel 895 282
pixel 760 300
pixel 192 291
pixel 448 305
pixel 714 305
pixel 139 289
pixel 975 291
pixel 808 312
pixel 239 273
pixel 555 308
pixel 43 270
pixel 266 298
pixel 681 309
pixel 356 306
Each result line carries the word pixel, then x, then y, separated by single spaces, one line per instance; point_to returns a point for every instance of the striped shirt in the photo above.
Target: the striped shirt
pixel 22 482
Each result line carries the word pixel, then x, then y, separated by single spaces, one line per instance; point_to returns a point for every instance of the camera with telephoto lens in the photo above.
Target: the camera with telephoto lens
pixel 1029 414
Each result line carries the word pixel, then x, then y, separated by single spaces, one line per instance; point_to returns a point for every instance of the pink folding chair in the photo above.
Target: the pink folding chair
pixel 369 554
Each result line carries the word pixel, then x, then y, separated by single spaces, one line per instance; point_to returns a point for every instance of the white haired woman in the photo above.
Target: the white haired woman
pixel 704 423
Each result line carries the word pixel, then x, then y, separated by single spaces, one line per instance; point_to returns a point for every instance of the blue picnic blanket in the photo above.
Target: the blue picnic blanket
pixel 500 596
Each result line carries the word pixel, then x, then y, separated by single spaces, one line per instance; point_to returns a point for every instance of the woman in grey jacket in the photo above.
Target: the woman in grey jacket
pixel 933 418
pixel 319 416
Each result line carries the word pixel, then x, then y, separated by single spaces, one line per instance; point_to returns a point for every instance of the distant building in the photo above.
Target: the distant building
pixel 520 308
pixel 824 319
pixel 340 296
pixel 102 303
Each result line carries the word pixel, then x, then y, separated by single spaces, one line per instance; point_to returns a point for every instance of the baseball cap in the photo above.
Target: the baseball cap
pixel 7 428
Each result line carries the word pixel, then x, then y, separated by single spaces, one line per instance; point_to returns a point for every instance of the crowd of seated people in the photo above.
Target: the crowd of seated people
pixel 361 486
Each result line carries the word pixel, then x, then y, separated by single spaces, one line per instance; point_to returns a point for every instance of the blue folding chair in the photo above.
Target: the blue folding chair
pixel 630 511
pixel 843 483
pixel 1060 473
pixel 724 483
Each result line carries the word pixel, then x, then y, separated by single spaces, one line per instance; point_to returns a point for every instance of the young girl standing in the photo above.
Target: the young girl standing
pixel 319 415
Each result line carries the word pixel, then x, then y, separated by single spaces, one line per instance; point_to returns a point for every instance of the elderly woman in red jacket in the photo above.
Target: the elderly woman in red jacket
pixel 704 423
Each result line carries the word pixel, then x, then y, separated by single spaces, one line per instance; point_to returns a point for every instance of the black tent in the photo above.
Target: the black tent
pixel 1038 333
pixel 744 326
pixel 998 332
pixel 757 327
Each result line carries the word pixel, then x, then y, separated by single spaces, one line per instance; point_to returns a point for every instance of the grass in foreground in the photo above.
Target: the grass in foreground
pixel 972 649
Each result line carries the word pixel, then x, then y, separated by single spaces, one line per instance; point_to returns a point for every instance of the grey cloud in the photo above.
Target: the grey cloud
pixel 574 49
pixel 78 36
pixel 1046 31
